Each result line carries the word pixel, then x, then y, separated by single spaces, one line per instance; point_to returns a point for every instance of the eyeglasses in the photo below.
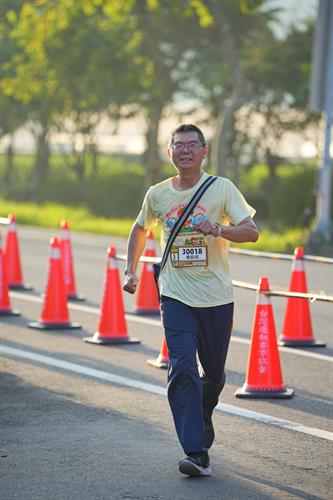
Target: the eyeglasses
pixel 192 146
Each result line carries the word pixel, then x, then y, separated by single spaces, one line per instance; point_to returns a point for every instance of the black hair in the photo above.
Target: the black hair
pixel 187 127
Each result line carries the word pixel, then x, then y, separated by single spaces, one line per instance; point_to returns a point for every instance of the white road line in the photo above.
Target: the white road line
pixel 155 389
pixel 157 323
pixel 277 422
pixel 318 400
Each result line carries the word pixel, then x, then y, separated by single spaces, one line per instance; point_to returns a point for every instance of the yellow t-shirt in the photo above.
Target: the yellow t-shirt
pixel 210 284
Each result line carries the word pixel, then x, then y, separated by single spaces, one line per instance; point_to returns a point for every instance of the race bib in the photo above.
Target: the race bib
pixel 189 255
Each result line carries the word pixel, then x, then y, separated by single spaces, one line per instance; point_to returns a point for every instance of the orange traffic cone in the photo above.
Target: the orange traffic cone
pixel 297 325
pixel 5 306
pixel 54 314
pixel 112 327
pixel 147 296
pixel 162 360
pixel 67 260
pixel 264 377
pixel 12 257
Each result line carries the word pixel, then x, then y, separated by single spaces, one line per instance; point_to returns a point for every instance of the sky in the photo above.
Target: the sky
pixel 293 12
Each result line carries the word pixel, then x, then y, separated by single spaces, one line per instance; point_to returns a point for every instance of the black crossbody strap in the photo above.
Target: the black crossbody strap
pixel 188 210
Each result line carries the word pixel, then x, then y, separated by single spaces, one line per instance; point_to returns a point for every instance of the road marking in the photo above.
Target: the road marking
pixel 318 400
pixel 277 422
pixel 155 389
pixel 158 323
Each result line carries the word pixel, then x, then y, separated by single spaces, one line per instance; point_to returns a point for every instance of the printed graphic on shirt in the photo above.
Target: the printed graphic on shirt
pixel 197 215
pixel 190 247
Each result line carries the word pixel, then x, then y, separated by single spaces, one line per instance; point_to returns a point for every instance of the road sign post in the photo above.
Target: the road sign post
pixel 321 99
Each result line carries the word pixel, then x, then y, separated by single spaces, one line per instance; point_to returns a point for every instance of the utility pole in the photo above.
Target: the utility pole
pixel 321 99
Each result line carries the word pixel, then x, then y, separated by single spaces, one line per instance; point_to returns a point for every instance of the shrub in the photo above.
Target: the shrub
pixel 117 189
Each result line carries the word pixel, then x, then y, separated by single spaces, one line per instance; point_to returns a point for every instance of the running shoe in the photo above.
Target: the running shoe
pixel 195 464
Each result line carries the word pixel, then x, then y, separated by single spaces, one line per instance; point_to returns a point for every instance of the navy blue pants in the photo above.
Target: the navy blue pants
pixel 188 331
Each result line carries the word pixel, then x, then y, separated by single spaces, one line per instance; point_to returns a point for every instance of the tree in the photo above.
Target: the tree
pixel 28 75
pixel 244 74
pixel 12 116
pixel 167 31
pixel 12 112
pixel 91 54
pixel 281 82
pixel 71 60
pixel 70 63
pixel 231 26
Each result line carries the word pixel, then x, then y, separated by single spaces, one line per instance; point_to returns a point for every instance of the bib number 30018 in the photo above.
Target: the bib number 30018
pixel 189 256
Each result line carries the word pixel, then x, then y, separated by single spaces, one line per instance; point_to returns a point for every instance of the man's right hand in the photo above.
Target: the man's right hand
pixel 130 283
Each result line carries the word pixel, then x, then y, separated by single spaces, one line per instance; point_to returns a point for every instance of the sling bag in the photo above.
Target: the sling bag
pixel 158 266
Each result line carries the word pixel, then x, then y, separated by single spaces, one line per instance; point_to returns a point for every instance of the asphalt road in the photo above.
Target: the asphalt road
pixel 81 421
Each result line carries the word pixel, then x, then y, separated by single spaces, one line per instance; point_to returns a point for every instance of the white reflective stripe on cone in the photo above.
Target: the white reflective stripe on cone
pixel 64 234
pixel 112 263
pixel 150 245
pixel 55 253
pixel 12 227
pixel 263 299
pixel 298 265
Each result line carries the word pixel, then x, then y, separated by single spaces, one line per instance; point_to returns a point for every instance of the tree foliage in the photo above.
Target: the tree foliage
pixel 66 65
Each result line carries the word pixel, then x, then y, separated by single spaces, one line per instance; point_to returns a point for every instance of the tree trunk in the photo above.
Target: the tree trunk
pixel 9 166
pixel 94 158
pixel 152 158
pixel 79 166
pixel 42 165
pixel 272 163
pixel 221 143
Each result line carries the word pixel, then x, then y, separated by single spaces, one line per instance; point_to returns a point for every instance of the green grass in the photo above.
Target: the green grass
pixel 51 214
pixel 284 242
pixel 81 219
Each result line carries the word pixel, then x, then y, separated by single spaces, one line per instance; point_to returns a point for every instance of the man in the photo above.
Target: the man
pixel 196 295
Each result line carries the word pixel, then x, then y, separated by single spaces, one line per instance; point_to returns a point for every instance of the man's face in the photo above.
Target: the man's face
pixel 187 151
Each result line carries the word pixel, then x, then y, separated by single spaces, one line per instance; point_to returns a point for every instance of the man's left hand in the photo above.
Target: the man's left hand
pixel 206 227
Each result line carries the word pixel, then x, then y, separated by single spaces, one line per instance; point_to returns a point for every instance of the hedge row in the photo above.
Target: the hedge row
pixel 117 189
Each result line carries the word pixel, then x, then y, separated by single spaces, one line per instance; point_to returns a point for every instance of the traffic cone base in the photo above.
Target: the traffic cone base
pixel 38 325
pixel 300 343
pixel 71 297
pixel 20 287
pixel 75 298
pixel 159 362
pixel 9 312
pixel 147 312
pixel 246 392
pixel 97 339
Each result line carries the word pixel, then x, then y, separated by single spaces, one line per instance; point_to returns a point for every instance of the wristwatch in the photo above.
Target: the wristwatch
pixel 219 228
